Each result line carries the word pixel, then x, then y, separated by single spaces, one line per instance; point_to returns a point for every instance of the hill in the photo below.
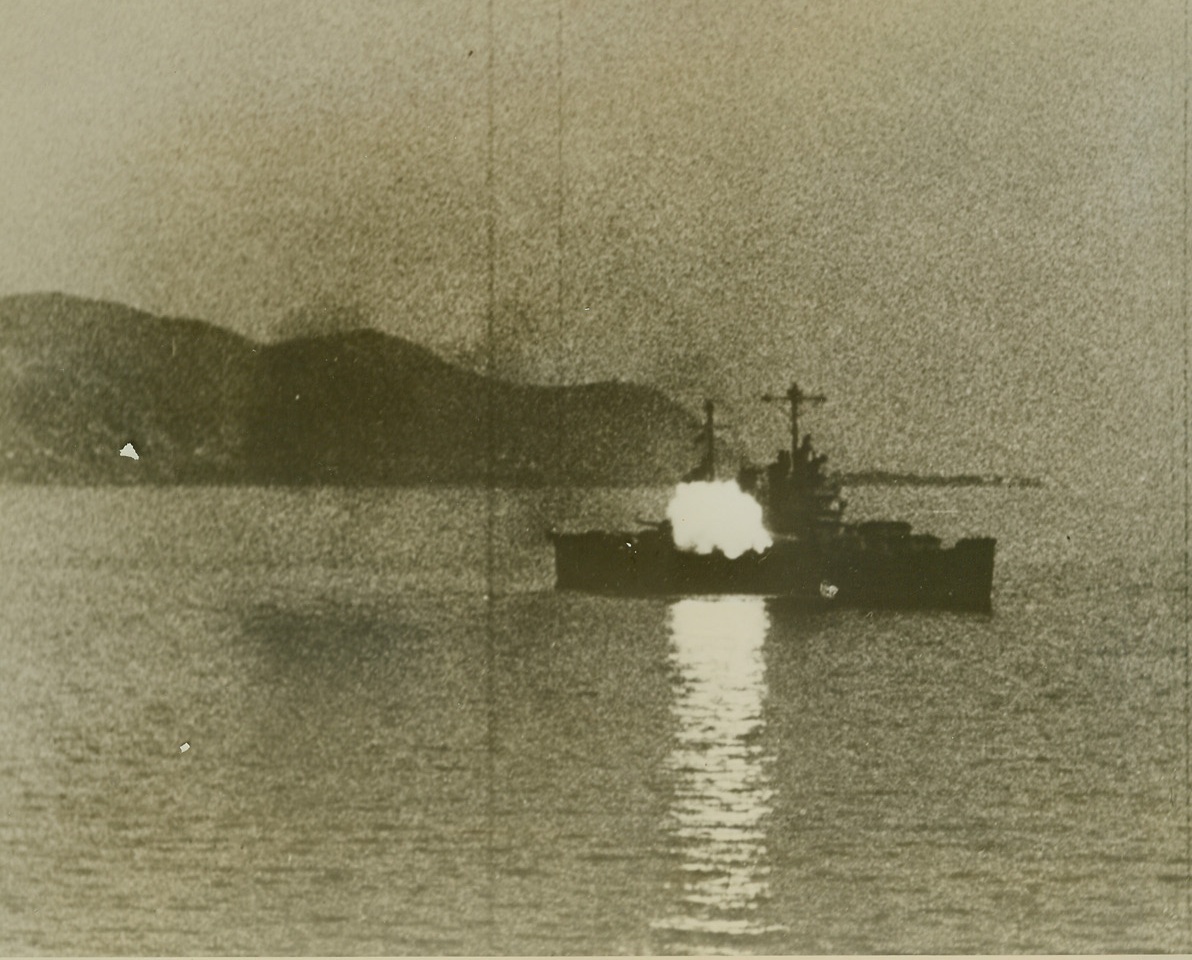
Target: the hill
pixel 80 378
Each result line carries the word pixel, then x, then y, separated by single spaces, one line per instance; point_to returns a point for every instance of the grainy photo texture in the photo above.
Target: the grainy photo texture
pixel 575 477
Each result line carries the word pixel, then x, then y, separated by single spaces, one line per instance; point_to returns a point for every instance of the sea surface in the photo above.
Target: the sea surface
pixel 263 721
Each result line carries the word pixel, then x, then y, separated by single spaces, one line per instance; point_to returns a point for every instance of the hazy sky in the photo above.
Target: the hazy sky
pixel 963 221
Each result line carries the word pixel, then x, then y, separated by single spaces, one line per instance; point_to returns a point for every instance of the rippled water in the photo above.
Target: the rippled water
pixel 384 757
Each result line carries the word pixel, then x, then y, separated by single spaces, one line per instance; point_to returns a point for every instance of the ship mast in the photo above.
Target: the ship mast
pixel 796 398
pixel 708 435
pixel 706 470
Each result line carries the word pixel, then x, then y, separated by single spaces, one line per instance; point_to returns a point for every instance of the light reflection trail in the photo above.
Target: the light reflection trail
pixel 721 771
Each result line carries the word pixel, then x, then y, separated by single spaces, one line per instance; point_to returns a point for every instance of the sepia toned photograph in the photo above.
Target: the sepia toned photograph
pixel 594 477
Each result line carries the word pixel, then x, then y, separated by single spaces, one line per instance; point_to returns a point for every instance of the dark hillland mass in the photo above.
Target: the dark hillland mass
pixel 201 404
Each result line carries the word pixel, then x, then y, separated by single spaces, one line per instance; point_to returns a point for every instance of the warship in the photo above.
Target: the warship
pixel 815 557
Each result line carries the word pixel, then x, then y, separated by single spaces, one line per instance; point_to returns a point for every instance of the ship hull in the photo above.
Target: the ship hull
pixel 883 576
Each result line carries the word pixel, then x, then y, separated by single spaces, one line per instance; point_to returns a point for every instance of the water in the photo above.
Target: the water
pixel 382 760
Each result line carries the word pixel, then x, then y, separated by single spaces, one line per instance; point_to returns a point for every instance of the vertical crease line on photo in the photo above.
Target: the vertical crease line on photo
pixel 1187 491
pixel 489 494
pixel 559 238
pixel 555 474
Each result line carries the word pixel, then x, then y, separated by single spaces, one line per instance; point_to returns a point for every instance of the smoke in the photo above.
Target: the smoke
pixel 717 516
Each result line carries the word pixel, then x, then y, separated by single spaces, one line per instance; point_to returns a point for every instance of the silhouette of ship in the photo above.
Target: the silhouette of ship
pixel 815 557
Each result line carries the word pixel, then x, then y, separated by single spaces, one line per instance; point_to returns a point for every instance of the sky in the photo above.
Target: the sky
pixel 964 222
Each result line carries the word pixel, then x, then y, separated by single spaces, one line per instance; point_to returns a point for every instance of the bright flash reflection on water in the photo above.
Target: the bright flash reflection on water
pixel 722 781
